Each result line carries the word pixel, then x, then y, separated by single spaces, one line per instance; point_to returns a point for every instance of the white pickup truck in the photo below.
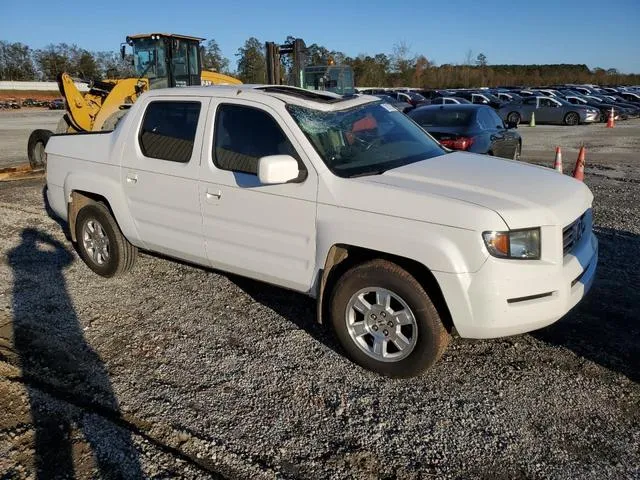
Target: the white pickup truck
pixel 344 198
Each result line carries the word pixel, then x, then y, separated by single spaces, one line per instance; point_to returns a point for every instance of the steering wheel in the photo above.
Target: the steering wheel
pixel 367 145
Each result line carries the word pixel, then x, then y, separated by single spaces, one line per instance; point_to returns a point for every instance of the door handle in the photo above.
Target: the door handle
pixel 216 194
pixel 132 178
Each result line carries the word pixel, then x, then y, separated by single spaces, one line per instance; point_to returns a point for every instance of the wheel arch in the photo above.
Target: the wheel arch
pixel 84 190
pixel 341 257
pixel 79 200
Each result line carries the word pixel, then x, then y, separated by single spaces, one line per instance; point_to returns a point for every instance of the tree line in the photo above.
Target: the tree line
pixel 400 68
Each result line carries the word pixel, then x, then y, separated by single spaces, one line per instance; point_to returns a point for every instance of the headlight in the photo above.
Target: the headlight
pixel 519 244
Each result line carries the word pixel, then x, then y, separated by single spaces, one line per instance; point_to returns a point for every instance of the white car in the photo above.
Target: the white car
pixel 344 198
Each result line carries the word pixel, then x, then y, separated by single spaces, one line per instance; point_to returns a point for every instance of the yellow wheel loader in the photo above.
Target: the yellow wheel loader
pixel 160 60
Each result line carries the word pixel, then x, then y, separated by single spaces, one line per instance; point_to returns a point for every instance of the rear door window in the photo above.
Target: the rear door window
pixel 169 130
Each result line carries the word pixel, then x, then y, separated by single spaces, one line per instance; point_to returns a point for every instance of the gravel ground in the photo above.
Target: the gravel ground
pixel 175 371
pixel 15 128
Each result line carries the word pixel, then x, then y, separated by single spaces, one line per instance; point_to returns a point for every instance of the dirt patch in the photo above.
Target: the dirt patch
pixel 24 94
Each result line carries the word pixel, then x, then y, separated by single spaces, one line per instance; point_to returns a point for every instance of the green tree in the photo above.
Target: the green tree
pixel 85 66
pixel 16 62
pixel 402 64
pixel 213 58
pixel 111 65
pixel 53 60
pixel 481 60
pixel 252 64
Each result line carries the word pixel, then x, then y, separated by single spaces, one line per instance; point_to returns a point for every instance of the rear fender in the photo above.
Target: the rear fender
pixel 82 188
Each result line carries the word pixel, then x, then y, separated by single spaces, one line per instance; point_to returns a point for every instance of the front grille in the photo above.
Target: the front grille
pixel 572 233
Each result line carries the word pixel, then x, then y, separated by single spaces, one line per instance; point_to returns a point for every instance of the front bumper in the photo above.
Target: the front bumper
pixel 591 117
pixel 508 297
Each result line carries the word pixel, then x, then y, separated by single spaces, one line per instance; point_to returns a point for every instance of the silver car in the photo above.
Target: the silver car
pixel 549 110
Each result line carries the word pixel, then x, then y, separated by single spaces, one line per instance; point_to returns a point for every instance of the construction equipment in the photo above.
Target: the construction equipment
pixel 160 60
pixel 333 78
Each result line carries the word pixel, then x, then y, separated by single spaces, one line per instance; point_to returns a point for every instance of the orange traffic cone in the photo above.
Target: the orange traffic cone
pixel 557 165
pixel 610 120
pixel 578 172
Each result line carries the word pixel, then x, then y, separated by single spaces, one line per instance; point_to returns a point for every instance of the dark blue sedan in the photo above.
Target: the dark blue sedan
pixel 473 128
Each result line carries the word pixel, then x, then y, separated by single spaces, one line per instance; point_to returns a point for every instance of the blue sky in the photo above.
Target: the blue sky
pixel 602 33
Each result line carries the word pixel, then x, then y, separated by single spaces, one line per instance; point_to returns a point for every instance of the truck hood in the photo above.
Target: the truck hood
pixel 523 195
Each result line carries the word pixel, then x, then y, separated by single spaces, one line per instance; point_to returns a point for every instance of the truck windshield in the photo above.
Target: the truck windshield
pixel 365 140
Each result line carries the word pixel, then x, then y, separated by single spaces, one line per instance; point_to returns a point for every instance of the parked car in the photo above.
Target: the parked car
pixel 57 104
pixel 481 98
pixel 618 100
pixel 604 108
pixel 630 96
pixel 549 110
pixel 413 98
pixel 431 94
pixel 342 198
pixel 11 103
pixel 403 106
pixel 372 91
pixel 472 128
pixel 508 97
pixel 449 101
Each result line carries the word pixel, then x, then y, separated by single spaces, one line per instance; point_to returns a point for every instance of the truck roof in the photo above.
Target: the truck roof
pixel 318 100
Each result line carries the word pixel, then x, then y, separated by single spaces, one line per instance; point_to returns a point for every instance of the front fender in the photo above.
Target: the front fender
pixel 437 247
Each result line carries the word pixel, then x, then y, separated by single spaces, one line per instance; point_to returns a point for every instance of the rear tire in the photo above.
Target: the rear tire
pixel 101 244
pixel 399 337
pixel 35 148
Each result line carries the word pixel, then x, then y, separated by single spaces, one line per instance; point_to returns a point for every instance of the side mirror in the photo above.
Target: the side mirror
pixel 276 169
pixel 511 125
pixel 122 51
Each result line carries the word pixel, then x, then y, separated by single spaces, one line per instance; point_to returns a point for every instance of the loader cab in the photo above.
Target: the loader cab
pixel 166 60
pixel 332 78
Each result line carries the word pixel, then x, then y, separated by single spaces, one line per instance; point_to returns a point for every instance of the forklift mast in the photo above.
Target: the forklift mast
pixel 298 50
pixel 333 78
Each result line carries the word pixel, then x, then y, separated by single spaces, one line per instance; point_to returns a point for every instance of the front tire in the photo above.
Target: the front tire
pixel 101 244
pixel 386 321
pixel 514 117
pixel 571 119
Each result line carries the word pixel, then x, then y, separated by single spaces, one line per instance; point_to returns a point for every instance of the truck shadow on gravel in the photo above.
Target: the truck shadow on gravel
pixel 604 327
pixel 297 308
pixel 56 361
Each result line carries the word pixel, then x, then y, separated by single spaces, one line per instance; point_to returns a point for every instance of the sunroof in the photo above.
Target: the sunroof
pixel 302 93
